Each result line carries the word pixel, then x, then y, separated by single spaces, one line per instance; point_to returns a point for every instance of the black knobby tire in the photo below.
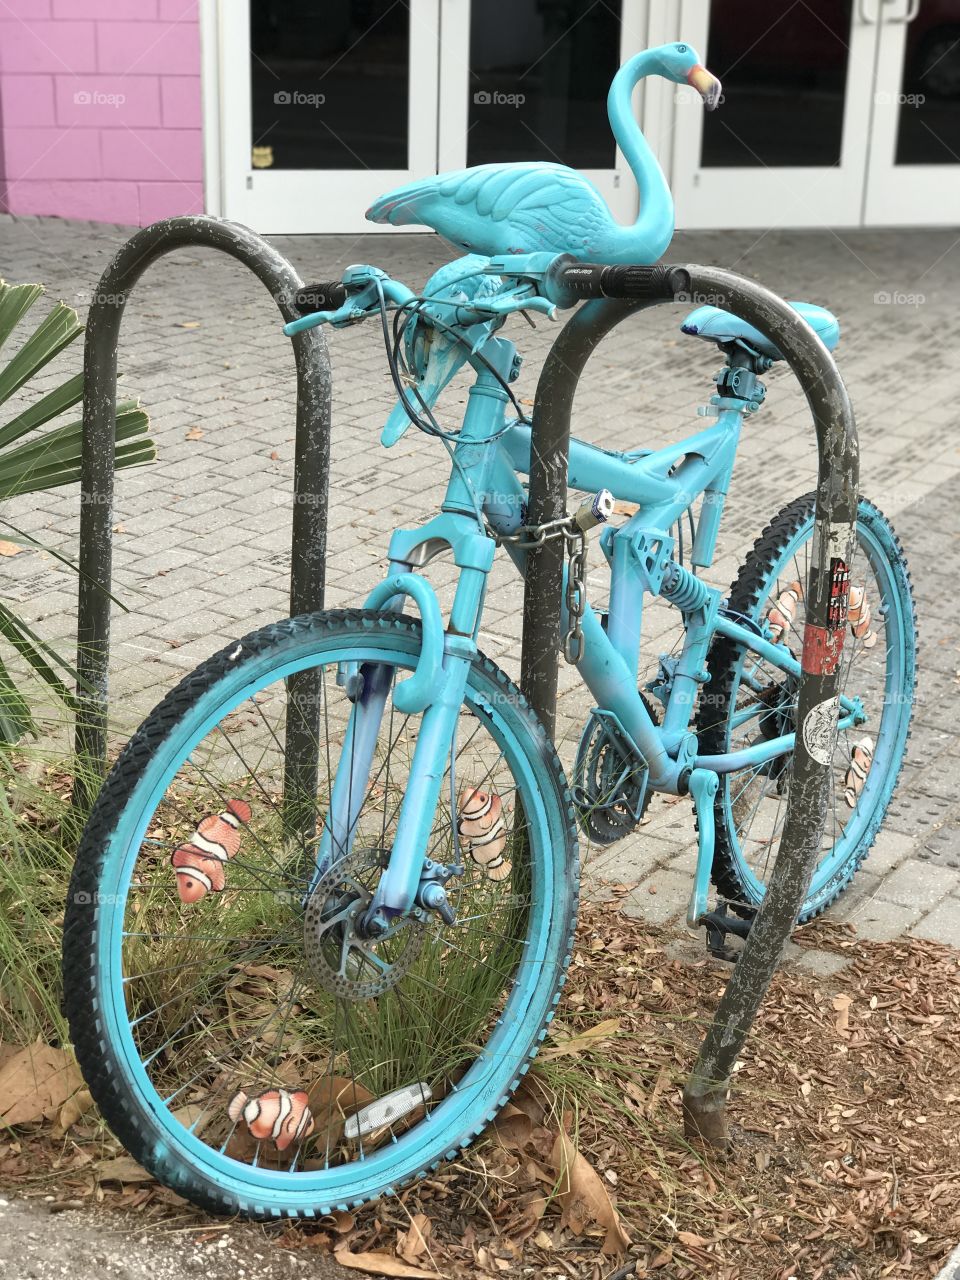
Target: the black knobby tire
pixel 125 1109
pixel 748 595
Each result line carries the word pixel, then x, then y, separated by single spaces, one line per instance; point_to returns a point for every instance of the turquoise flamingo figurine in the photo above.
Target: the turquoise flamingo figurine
pixel 495 209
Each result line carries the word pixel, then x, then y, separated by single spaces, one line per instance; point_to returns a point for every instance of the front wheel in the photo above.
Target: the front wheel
pixel 248 1045
pixel 748 700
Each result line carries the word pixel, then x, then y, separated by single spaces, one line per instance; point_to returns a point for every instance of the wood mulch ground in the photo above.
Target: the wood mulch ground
pixel 847 1112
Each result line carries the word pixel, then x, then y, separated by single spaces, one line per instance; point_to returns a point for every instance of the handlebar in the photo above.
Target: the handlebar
pixel 559 280
pixel 320 297
pixel 567 282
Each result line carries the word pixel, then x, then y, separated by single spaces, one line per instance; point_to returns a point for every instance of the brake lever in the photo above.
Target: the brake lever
pixel 346 314
pixel 516 301
pixel 368 284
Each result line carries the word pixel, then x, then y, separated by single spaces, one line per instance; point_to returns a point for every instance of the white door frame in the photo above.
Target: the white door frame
pixel 805 196
pixel 339 198
pixel 304 201
pixel 211 107
pixel 927 194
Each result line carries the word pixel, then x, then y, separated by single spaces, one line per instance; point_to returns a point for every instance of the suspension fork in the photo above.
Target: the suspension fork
pixel 371 685
pixel 368 687
pixel 435 691
pixel 400 887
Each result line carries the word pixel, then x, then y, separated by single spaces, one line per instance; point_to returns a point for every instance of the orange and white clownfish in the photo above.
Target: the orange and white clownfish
pixel 782 615
pixel 480 823
pixel 861 758
pixel 199 862
pixel 860 618
pixel 281 1116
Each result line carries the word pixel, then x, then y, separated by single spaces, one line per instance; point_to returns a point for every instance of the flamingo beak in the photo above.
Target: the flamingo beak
pixel 707 85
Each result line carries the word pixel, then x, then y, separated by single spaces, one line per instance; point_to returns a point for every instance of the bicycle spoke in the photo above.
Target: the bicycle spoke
pixel 224 994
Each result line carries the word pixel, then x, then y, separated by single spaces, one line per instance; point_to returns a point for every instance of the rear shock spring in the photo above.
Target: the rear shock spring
pixel 684 589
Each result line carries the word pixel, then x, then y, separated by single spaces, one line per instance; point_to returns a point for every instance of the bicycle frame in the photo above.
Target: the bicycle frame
pixel 488 455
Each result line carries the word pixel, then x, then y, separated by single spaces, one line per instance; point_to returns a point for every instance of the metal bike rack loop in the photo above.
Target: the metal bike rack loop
pixel 832 544
pixel 310 484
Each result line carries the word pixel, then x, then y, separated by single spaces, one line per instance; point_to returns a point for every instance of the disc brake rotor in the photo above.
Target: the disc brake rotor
pixel 339 959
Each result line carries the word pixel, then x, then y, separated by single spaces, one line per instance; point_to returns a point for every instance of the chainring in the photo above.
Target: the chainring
pixel 608 815
pixel 338 959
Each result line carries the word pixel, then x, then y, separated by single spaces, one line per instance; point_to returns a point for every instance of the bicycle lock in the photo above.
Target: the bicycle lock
pixel 615 293
pixel 310 491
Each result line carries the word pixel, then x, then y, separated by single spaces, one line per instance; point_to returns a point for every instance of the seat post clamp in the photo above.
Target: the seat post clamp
pixel 735 383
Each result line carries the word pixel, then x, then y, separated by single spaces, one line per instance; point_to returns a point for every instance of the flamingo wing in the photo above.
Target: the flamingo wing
pixel 493 209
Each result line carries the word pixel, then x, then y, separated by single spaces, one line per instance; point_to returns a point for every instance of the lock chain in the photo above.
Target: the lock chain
pixel 529 538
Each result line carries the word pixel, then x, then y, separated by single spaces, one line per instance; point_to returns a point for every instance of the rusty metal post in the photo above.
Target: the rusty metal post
pixel 310 486
pixel 833 541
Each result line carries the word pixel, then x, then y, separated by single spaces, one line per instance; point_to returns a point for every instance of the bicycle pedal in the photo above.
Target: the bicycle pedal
pixel 718 924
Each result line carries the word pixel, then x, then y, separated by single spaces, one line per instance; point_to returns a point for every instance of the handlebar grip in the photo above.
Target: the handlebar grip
pixel 319 297
pixel 575 282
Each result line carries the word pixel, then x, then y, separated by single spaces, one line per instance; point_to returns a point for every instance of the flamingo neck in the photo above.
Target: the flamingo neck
pixel 655 220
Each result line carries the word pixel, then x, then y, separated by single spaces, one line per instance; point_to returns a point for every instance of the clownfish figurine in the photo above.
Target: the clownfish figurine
pixel 782 615
pixel 861 758
pixel 480 823
pixel 281 1116
pixel 200 862
pixel 860 618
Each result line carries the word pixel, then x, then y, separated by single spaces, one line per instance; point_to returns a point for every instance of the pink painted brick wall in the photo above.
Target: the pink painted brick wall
pixel 100 114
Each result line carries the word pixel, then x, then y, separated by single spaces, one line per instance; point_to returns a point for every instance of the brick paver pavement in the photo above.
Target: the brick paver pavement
pixel 203 535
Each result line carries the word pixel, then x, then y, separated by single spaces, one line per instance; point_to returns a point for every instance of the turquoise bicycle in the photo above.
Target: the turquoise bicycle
pixel 285 1008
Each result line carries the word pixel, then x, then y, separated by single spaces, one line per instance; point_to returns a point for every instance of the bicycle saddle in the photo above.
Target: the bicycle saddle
pixel 723 327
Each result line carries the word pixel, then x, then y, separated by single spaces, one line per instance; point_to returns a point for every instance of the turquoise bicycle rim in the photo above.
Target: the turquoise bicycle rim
pixel 497 1069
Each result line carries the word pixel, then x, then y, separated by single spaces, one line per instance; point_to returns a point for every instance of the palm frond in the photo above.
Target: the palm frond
pixel 46 461
pixel 41 656
pixel 54 458
pixel 55 332
pixel 15 301
pixel 45 410
pixel 15 717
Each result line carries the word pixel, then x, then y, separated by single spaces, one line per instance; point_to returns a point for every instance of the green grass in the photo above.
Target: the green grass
pixel 394 1039
pixel 36 857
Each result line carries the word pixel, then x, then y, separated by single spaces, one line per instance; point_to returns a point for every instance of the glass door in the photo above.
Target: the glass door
pixel 788 145
pixel 324 107
pixel 914 171
pixel 527 80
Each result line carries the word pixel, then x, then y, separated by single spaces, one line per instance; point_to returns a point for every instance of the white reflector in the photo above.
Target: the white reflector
pixel 386 1110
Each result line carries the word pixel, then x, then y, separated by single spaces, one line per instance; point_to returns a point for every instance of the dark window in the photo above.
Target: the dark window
pixel 929 102
pixel 330 83
pixel 539 75
pixel 784 73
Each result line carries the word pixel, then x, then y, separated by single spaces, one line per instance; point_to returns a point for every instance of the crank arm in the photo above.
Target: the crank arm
pixel 703 787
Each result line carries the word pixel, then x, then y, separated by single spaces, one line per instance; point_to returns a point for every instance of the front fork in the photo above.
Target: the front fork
pixel 411 880
pixel 435 691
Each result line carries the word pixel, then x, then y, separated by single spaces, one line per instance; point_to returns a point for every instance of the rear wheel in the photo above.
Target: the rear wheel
pixel 246 1044
pixel 748 700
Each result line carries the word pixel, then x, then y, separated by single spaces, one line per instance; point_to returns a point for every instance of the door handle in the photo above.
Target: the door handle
pixel 878 17
pixel 913 8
